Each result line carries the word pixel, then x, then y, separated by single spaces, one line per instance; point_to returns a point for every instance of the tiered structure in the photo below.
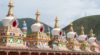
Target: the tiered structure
pixel 92 41
pixel 11 35
pixel 58 41
pixel 16 41
pixel 72 42
pixel 24 28
pixel 84 46
pixel 38 38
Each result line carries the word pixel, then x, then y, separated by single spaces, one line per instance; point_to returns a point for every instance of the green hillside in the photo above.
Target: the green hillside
pixel 88 22
pixel 29 22
pixel 1 23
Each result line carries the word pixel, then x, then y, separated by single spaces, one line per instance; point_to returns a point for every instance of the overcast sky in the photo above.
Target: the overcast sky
pixel 66 10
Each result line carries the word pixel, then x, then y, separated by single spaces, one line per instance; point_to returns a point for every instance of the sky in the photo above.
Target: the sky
pixel 66 10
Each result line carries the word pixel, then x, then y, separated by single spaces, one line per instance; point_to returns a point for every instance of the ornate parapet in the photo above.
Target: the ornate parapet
pixel 70 44
pixel 37 40
pixel 93 48
pixel 36 51
pixel 62 45
pixel 85 46
pixel 73 44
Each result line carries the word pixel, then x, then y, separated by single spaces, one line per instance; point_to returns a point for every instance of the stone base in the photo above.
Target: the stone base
pixel 63 48
pixel 77 48
pixel 14 45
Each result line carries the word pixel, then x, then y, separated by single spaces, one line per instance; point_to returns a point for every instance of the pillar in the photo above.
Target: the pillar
pixel 29 53
pixel 7 52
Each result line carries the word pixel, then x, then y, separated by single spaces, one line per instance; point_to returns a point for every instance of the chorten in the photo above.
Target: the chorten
pixel 37 27
pixel 24 28
pixel 38 38
pixel 72 43
pixel 11 35
pixel 56 30
pixel 55 34
pixel 59 42
pixel 84 46
pixel 92 37
pixel 82 36
pixel 71 33
pixel 92 41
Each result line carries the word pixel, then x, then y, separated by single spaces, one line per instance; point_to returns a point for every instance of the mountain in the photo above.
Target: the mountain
pixel 88 22
pixel 29 22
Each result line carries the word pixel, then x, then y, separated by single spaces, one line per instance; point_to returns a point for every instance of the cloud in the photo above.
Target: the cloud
pixel 66 10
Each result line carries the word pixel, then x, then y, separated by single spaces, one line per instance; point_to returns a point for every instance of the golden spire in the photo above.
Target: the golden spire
pixel 71 27
pixel 10 11
pixel 56 22
pixel 91 33
pixel 82 30
pixel 37 16
pixel 24 21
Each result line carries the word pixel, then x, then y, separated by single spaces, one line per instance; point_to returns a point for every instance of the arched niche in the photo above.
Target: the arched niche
pixel 43 53
pixel 34 53
pixel 24 53
pixel 13 53
pixel 68 54
pixel 74 54
pixel 78 54
pixel 57 53
pixel 63 54
pixel 50 53
pixel 3 53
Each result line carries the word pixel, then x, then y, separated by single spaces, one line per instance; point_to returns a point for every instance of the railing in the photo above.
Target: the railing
pixel 35 51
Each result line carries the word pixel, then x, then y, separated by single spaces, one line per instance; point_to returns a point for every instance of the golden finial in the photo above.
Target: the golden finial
pixel 37 15
pixel 91 32
pixel 56 22
pixel 10 11
pixel 48 30
pixel 24 21
pixel 71 27
pixel 82 30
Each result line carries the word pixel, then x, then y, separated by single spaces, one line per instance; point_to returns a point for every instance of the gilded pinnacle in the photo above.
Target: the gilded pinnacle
pixel 82 30
pixel 91 33
pixel 56 22
pixel 37 16
pixel 71 27
pixel 10 10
